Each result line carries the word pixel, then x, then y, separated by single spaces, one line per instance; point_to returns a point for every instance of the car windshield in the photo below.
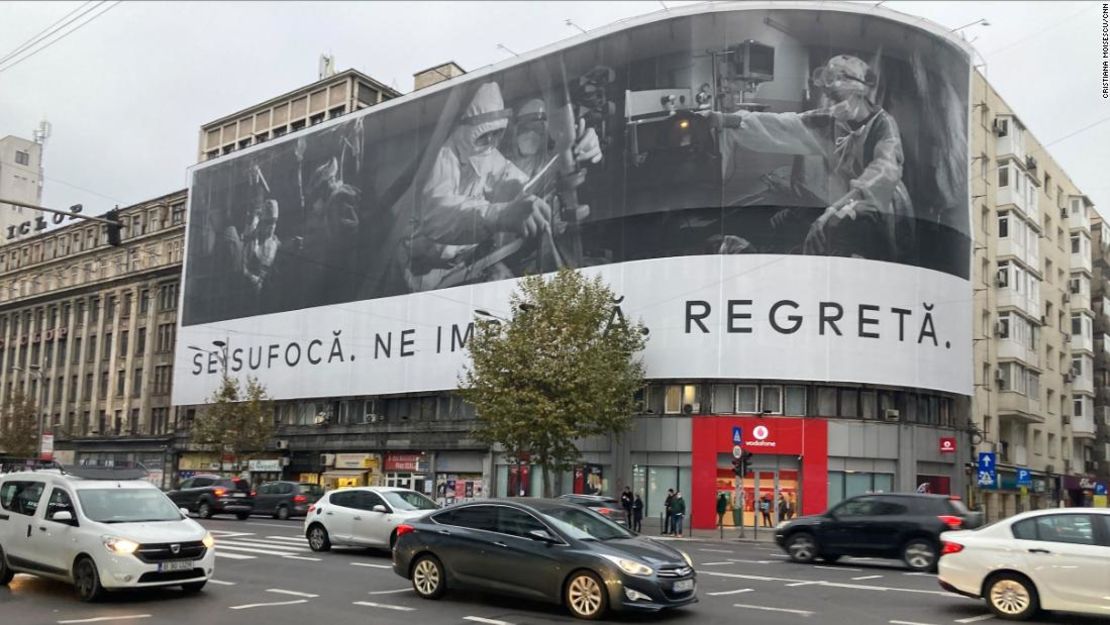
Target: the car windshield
pixel 408 500
pixel 584 525
pixel 127 505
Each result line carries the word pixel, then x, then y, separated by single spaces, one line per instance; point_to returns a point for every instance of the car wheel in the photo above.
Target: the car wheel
pixel 802 547
pixel 242 516
pixel 194 587
pixel 428 577
pixel 87 580
pixel 1012 597
pixel 318 538
pixel 282 513
pixel 204 510
pixel 6 573
pixel 920 554
pixel 585 596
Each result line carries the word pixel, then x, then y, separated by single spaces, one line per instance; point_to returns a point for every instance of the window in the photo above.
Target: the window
pixel 22 158
pixel 1004 325
pixel 864 506
pixel 59 502
pixel 144 300
pixel 826 401
pixel 473 517
pixel 167 296
pixel 1003 273
pixel 1003 226
pixel 166 333
pixel 1002 126
pixel 1075 244
pixel 771 401
pixel 1004 176
pixel 672 403
pixel 177 214
pixel 724 398
pixel 137 384
pixel 121 379
pixel 517 523
pixel 22 497
pixel 795 401
pixel 1077 325
pixel 747 400
pixel 849 403
pixel 140 342
pixel 1077 405
pixel 1058 528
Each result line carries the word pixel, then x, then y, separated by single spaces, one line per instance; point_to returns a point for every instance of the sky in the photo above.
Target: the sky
pixel 127 93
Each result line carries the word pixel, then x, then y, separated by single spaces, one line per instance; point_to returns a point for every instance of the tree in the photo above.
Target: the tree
pixel 19 427
pixel 235 420
pixel 563 368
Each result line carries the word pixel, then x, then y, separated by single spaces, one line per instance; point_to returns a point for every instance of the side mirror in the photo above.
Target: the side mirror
pixel 63 516
pixel 542 536
pixel 380 508
pixel 184 512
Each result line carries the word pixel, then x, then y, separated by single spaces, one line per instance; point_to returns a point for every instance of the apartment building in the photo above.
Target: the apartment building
pixel 1035 335
pixel 20 180
pixel 88 331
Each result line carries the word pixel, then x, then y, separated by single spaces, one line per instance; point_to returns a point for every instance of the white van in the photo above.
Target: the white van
pixel 99 529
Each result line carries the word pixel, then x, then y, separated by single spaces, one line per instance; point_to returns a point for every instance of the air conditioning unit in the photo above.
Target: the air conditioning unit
pixel 1049 468
pixel 1044 320
pixel 327 460
pixel 282 444
pixel 1068 377
pixel 891 414
pixel 1030 162
pixel 285 461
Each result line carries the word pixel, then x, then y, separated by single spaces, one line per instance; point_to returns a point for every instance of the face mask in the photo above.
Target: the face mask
pixel 528 143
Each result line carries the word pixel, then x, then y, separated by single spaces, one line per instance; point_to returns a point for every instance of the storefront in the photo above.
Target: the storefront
pixel 354 469
pixel 264 470
pixel 789 465
pixel 408 470
pixel 1084 492
pixel 459 477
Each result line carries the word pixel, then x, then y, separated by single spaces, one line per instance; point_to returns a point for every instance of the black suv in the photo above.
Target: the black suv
pixel 207 495
pixel 285 499
pixel 906 527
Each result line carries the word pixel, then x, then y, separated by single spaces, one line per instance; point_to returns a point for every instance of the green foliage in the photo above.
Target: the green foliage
pixel 564 367
pixel 19 426
pixel 235 420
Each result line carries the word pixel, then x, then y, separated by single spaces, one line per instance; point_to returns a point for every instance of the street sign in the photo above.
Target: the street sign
pixel 988 470
pixel 1100 489
pixel 737 451
pixel 737 435
pixel 1024 477
pixel 947 444
pixel 46 447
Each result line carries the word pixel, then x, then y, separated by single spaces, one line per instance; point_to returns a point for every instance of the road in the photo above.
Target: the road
pixel 267 574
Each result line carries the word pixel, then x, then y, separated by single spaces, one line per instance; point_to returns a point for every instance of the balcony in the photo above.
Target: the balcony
pixel 1081 262
pixel 1016 350
pixel 1083 427
pixel 1029 255
pixel 1081 342
pixel 1020 408
pixel 1011 196
pixel 1009 298
pixel 1078 220
pixel 1083 384
pixel 1013 144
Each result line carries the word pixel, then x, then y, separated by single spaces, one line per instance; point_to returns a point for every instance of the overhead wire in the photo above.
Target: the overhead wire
pixel 45 32
pixel 31 53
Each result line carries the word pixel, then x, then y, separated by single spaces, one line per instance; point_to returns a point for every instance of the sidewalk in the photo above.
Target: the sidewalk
pixel 766 535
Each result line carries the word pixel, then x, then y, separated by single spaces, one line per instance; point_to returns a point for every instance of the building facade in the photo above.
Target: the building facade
pixel 20 180
pixel 88 331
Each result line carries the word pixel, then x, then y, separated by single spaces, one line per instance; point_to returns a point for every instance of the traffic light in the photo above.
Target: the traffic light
pixel 738 467
pixel 113 228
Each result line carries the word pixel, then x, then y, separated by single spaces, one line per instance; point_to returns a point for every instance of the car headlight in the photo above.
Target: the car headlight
pixel 208 541
pixel 687 558
pixel 120 546
pixel 631 567
pixel 782 524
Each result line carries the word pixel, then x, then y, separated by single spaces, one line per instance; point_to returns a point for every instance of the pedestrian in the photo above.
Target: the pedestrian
pixel 791 506
pixel 637 513
pixel 678 512
pixel 765 510
pixel 722 507
pixel 626 503
pixel 784 507
pixel 668 516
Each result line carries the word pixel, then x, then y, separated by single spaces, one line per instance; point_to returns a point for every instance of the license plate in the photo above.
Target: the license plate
pixel 175 565
pixel 684 585
pixel 238 494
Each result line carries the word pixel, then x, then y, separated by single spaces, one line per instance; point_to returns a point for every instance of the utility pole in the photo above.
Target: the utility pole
pixel 111 219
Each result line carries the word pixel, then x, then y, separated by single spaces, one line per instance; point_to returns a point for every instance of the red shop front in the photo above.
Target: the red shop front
pixel 797 448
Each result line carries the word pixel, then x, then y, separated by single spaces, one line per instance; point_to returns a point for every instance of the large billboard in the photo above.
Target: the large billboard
pixel 778 193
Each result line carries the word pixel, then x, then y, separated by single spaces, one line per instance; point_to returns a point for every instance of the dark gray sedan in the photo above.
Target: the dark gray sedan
pixel 545 550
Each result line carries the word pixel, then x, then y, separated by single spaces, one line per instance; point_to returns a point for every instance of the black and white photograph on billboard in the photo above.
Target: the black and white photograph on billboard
pixel 772 132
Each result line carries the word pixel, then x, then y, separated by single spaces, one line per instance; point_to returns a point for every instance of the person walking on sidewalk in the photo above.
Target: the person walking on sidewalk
pixel 668 517
pixel 637 513
pixel 626 503
pixel 765 510
pixel 722 507
pixel 678 512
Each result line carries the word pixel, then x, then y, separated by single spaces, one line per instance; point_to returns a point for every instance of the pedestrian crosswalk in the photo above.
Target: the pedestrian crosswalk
pixel 249 546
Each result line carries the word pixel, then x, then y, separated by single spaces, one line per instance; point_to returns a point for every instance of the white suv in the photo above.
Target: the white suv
pixel 362 517
pixel 99 529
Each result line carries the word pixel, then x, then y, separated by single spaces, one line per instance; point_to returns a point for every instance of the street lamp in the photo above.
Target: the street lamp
pixel 37 373
pixel 221 355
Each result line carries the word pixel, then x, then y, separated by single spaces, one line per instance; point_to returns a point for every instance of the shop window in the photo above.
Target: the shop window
pixel 795 401
pixel 771 399
pixel 747 399
pixel 846 484
pixel 724 399
pixel 826 401
pixel 849 403
pixel 672 403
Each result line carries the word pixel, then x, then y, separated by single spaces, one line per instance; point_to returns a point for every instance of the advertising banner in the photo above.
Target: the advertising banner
pixel 776 193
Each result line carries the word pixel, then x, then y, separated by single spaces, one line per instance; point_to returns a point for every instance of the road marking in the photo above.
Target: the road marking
pixel 266 542
pixel 837 568
pixel 220 582
pixel 267 605
pixel 863 577
pixel 294 593
pixel 908 623
pixel 488 621
pixel 770 609
pixel 752 561
pixel 223 534
pixel 373 566
pixel 371 604
pixel 301 558
pixel 920 574
pixel 297 539
pixel 233 556
pixel 729 592
pixel 284 551
pixel 787 580
pixel 716 550
pixel 802 584
pixel 101 619
pixel 388 592
pixel 975 619
pixel 269 525
pixel 713 563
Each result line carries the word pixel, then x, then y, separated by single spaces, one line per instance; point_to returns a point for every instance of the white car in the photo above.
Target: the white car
pixel 101 530
pixel 1056 559
pixel 362 517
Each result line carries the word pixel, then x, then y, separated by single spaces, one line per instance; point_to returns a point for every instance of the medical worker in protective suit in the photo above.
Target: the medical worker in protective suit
pixel 868 213
pixel 472 194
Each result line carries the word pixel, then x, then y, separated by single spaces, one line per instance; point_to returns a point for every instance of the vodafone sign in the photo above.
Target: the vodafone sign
pixel 761 437
pixel 947 445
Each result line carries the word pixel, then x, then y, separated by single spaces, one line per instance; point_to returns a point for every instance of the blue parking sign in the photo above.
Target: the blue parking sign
pixel 1024 477
pixel 988 470
pixel 737 435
